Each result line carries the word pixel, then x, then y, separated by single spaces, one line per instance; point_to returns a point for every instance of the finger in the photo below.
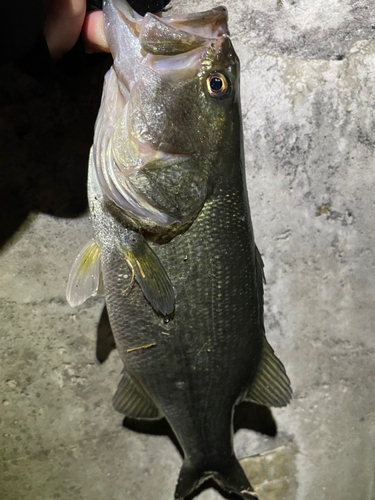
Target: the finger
pixel 93 34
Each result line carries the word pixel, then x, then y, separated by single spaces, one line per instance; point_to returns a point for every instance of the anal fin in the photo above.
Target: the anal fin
pixel 271 385
pixel 131 400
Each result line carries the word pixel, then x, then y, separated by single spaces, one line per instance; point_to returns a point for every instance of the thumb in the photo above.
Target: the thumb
pixel 93 34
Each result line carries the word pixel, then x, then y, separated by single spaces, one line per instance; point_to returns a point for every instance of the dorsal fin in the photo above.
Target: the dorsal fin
pixel 131 400
pixel 271 385
pixel 85 278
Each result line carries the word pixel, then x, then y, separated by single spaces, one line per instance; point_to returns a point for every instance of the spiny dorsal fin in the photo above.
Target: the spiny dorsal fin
pixel 131 400
pixel 271 385
pixel 85 278
pixel 150 274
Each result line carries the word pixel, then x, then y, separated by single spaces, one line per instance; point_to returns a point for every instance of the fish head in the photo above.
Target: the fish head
pixel 182 102
pixel 170 116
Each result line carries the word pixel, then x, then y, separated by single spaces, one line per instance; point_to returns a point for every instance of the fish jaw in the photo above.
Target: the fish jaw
pixel 180 34
pixel 156 111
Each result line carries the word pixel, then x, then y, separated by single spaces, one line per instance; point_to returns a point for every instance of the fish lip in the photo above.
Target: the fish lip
pixel 217 17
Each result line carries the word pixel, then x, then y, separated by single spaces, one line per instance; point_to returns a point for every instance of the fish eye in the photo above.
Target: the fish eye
pixel 217 84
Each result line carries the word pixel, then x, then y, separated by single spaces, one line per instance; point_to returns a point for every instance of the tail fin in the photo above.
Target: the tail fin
pixel 231 480
pixel 190 478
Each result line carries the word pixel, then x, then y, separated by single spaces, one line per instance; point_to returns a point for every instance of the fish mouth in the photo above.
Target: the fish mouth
pixel 175 46
pixel 175 67
pixel 182 33
pixel 207 24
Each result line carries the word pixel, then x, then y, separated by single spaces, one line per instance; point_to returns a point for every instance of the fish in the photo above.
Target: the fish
pixel 173 250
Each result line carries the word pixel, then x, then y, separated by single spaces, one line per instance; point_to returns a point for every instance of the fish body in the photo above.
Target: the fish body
pixel 174 249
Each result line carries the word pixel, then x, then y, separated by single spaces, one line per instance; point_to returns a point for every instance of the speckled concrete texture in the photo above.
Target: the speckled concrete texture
pixel 308 87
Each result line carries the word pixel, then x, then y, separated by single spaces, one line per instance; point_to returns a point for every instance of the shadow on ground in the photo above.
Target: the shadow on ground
pixel 46 130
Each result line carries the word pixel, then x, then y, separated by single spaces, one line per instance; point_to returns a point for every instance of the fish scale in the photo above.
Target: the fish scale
pixel 173 249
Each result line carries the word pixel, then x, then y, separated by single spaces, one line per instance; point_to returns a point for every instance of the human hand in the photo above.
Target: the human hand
pixel 93 34
pixel 63 24
pixel 65 20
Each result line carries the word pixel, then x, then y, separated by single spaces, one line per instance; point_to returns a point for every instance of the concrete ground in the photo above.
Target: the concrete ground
pixel 308 87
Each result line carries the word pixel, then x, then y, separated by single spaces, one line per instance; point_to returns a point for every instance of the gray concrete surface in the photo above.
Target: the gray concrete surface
pixel 308 87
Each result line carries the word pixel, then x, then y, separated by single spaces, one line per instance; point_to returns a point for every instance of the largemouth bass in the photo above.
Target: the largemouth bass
pixel 173 249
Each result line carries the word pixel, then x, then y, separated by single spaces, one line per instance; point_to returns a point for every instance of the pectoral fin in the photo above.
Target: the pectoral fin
pixel 271 386
pixel 85 278
pixel 131 400
pixel 150 274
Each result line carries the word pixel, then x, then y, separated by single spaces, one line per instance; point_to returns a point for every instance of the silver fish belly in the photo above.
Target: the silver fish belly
pixel 173 249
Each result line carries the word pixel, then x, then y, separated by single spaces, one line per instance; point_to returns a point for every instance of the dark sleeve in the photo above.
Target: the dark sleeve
pixel 141 6
pixel 21 27
pixel 22 38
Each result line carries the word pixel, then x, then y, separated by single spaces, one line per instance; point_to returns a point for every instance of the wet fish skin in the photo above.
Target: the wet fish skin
pixel 182 275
